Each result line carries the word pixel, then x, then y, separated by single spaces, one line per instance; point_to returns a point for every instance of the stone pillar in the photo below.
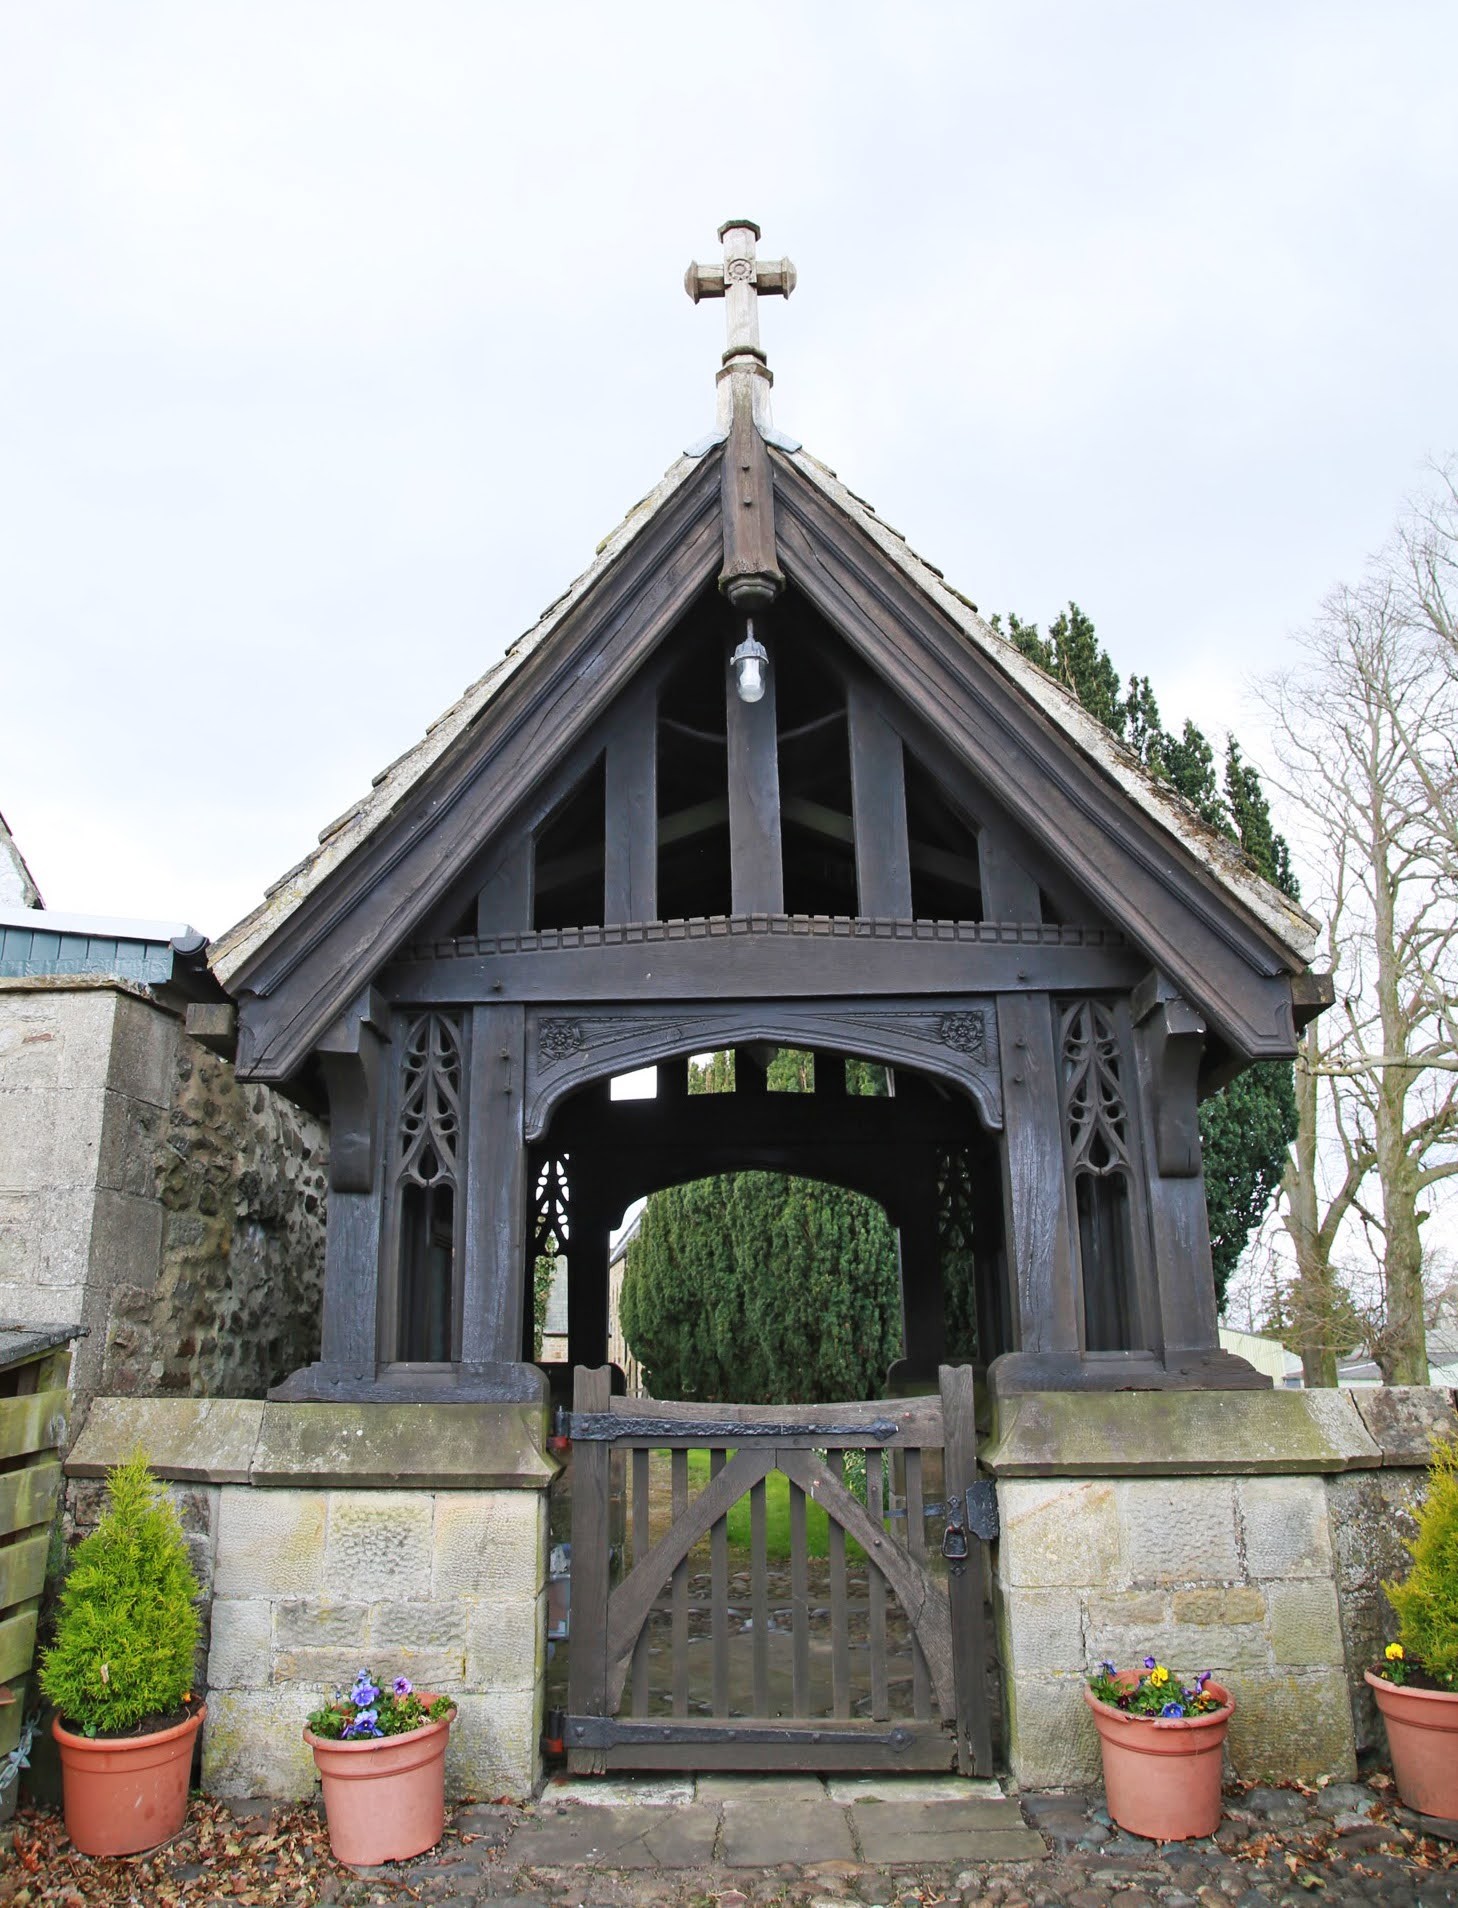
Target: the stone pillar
pixel 1214 1531
pixel 407 1539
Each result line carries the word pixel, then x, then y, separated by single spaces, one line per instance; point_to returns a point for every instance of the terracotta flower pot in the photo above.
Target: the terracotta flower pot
pixel 1422 1733
pixel 384 1796
pixel 1162 1773
pixel 124 1794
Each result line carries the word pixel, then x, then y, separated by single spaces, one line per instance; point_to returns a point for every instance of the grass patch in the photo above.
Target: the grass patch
pixel 776 1517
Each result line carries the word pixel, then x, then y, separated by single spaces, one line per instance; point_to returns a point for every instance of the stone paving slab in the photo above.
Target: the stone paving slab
pixel 741 1788
pixel 981 1830
pixel 800 1830
pixel 619 1791
pixel 624 1837
pixel 848 1790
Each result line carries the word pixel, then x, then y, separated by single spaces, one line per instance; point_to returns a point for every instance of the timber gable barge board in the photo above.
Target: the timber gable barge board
pixel 342 933
pixel 1150 884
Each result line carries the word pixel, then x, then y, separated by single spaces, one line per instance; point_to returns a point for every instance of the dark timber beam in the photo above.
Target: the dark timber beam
pixel 878 800
pixel 775 956
pixel 1039 1229
pixel 496 1190
pixel 630 880
pixel 756 863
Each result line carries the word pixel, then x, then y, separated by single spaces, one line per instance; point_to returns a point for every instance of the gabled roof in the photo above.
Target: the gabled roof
pixel 310 940
pixel 1292 926
pixel 393 784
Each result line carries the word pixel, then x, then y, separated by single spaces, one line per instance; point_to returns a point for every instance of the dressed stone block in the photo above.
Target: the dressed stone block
pixel 493 1744
pixel 1306 1629
pixel 506 1644
pixel 253 1742
pixel 1060 1531
pixel 313 1623
pixel 378 1545
pixel 270 1543
pixel 490 1543
pixel 1285 1524
pixel 1043 1631
pixel 1179 1531
pixel 241 1645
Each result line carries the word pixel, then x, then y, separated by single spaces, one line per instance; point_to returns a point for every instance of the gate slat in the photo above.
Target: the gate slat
pixel 641 1456
pixel 916 1544
pixel 759 1598
pixel 876 1590
pixel 799 1606
pixel 719 1594
pixel 839 1617
pixel 679 1463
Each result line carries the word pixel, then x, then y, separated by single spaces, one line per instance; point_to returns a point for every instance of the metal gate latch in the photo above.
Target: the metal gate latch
pixel 954 1537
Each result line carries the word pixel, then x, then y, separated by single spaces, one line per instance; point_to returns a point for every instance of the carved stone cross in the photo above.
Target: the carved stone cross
pixel 740 281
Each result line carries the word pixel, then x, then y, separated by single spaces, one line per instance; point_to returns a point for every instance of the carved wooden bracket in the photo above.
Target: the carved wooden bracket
pixel 351 1057
pixel 955 1038
pixel 1174 1036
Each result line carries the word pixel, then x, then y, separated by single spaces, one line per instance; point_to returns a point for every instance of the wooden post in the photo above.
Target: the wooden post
pixel 630 875
pixel 1039 1230
pixel 757 875
pixel 878 800
pixel 589 1242
pixel 966 1591
pixel 591 1480
pixel 1169 1040
pixel 494 1293
pixel 504 905
pixel 923 1303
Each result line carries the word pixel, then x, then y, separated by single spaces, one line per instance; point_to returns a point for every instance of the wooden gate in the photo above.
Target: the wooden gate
pixel 694 1648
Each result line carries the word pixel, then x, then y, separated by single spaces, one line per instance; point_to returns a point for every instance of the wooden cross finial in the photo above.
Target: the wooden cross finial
pixel 740 281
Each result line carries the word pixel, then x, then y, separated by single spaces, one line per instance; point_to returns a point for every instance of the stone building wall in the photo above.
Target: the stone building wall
pixel 410 1540
pixel 147 1195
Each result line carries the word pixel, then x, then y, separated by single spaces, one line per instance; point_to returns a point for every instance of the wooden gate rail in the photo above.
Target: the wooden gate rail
pixel 943 1609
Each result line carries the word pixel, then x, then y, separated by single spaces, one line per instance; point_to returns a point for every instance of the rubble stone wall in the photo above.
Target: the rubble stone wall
pixel 148 1195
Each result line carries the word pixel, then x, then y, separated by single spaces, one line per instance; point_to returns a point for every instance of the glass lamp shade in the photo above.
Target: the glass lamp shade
pixel 749 660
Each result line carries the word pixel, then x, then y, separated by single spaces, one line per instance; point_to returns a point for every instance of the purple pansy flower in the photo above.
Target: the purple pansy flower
pixel 1149 1662
pixel 1173 1709
pixel 403 1686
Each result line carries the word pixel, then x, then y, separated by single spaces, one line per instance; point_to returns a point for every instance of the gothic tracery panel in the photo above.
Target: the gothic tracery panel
pixel 426 1174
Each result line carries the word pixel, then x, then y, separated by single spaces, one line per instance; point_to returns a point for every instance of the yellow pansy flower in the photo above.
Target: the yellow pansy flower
pixel 1394 1652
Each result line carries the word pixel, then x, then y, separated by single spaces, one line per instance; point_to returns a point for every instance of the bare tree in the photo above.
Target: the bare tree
pixel 1364 727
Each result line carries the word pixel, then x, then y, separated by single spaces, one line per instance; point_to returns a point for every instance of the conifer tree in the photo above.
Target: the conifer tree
pixel 757 1287
pixel 1249 1126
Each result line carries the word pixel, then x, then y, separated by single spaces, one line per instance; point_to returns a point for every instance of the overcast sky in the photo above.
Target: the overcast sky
pixel 333 337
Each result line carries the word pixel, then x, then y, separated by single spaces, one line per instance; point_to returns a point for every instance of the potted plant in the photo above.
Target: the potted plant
pixel 120 1672
pixel 1416 1684
pixel 380 1753
pixel 1162 1742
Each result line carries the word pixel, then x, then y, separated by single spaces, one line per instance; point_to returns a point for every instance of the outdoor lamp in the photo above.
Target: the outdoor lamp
pixel 749 661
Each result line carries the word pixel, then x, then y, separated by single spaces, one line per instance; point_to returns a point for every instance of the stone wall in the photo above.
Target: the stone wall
pixel 411 1540
pixel 1241 1532
pixel 148 1195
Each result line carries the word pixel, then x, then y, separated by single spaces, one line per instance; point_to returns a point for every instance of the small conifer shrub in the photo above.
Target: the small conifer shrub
pixel 1427 1601
pixel 126 1625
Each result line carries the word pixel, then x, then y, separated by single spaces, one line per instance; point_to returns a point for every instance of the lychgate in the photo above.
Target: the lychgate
pixel 762 778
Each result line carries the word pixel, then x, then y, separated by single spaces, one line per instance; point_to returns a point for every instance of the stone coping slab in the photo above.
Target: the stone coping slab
pixel 1179 1434
pixel 348 1446
pixel 1404 1420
